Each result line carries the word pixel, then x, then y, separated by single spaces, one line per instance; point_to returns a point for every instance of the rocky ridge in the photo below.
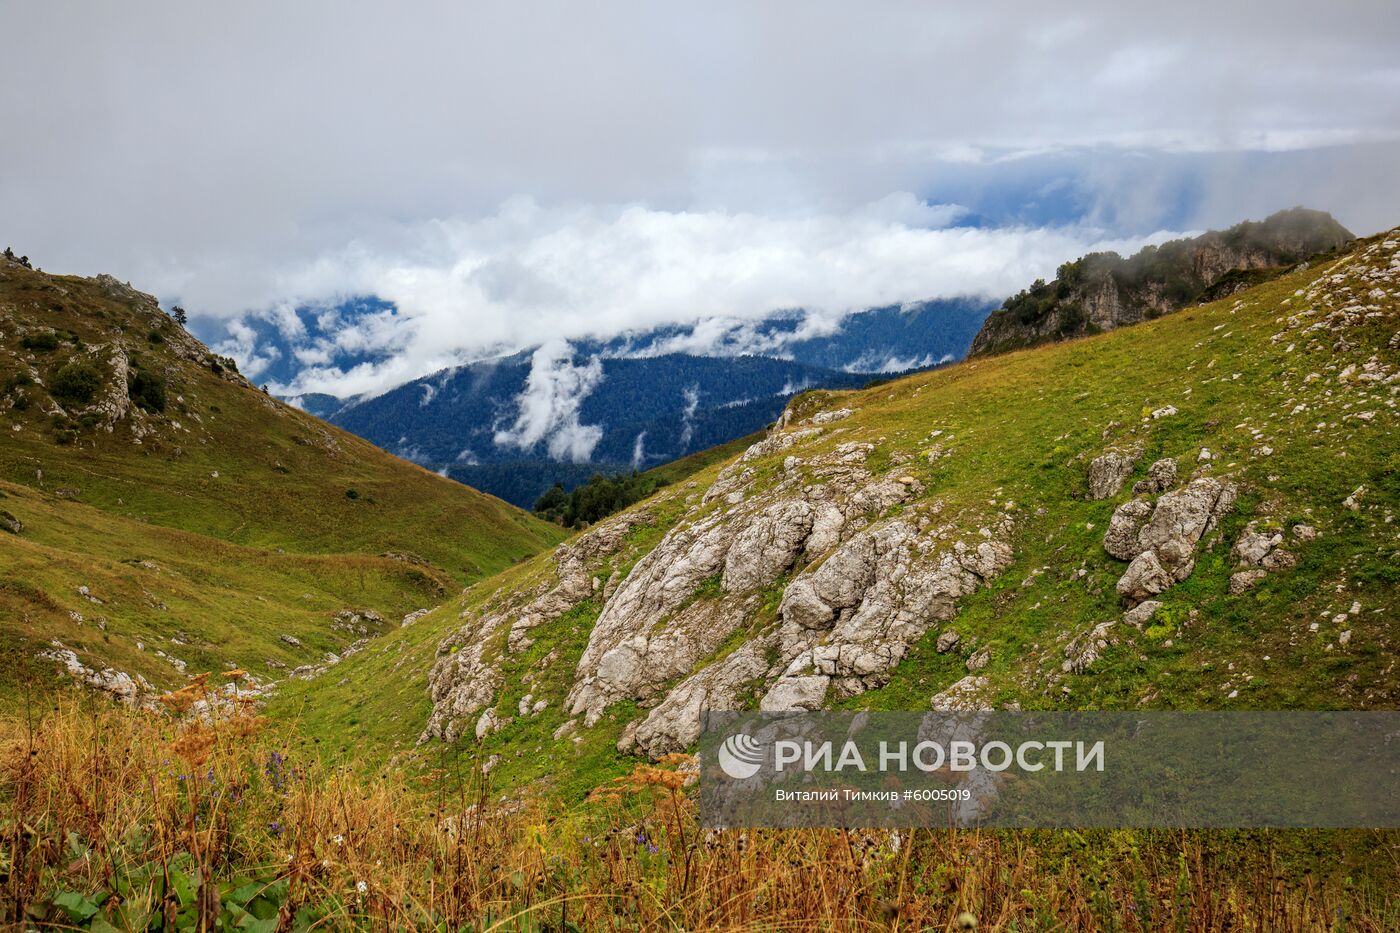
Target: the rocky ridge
pixel 1103 291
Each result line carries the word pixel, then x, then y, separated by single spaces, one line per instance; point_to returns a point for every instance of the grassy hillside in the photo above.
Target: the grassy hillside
pixel 1286 392
pixel 194 507
pixel 1289 389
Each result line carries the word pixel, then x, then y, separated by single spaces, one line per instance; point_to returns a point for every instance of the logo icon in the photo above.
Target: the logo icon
pixel 740 756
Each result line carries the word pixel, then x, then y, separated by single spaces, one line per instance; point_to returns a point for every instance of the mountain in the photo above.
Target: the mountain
pixel 159 512
pixel 1102 291
pixel 516 425
pixel 564 418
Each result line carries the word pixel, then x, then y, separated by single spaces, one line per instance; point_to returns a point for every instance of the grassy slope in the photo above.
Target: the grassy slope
pixel 241 502
pixel 1021 429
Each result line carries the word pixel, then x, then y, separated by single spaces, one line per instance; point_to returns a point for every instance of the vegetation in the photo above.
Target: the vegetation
pixel 146 390
pixel 118 821
pixel 1161 278
pixel 598 498
pixel 604 495
pixel 76 382
pixel 44 341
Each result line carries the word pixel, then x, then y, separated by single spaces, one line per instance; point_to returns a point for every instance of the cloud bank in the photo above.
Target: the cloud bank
pixel 505 173
pixel 530 274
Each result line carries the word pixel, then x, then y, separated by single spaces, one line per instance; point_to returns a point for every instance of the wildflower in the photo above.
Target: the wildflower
pixel 653 849
pixel 361 888
pixel 339 840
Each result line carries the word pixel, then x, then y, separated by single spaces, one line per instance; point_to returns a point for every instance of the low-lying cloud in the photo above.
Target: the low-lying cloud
pixel 548 409
pixel 466 290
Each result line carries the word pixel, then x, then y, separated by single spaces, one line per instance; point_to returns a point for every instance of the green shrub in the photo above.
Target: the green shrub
pixel 76 382
pixel 44 341
pixel 147 390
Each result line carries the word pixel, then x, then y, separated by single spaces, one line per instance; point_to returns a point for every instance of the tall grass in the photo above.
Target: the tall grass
pixel 208 821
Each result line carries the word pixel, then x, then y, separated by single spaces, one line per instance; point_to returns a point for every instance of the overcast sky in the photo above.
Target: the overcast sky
pixel 506 173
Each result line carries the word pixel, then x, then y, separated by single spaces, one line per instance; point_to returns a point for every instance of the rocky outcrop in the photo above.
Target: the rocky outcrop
pixel 130 691
pixel 1159 541
pixel 1108 471
pixel 654 630
pixel 1103 291
pixel 1087 648
pixel 1161 476
pixel 466 674
pixel 859 590
pixel 1256 554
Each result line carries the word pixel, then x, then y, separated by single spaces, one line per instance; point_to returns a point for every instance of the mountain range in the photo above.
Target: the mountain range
pixel 516 425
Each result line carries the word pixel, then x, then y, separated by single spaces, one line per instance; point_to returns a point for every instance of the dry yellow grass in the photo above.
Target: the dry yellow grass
pixel 127 821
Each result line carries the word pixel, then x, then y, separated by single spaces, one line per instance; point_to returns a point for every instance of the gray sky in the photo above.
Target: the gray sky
pixel 506 172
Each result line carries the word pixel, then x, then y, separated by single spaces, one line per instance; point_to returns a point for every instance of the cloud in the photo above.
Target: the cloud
pixel 502 171
pixel 548 409
pixel 691 396
pixel 466 290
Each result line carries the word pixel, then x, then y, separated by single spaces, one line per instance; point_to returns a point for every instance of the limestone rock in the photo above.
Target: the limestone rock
pixel 1108 471
pixel 1245 580
pixel 1161 476
pixel 1166 544
pixel 963 696
pixel 1305 532
pixel 1088 648
pixel 1142 613
pixel 1253 547
pixel 796 693
pixel 1121 538
pixel 947 641
pixel 1144 577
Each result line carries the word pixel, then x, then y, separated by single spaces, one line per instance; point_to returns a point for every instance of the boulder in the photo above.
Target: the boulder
pixel 1142 613
pixel 1144 577
pixel 1253 546
pixel 1108 471
pixel 1161 476
pixel 792 693
pixel 1245 580
pixel 1121 538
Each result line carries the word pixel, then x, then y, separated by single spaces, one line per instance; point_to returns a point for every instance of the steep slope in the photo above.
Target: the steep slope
pixel 150 493
pixel 1192 513
pixel 1102 291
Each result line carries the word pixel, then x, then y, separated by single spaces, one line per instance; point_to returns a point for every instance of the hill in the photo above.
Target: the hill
pixel 1190 513
pixel 162 512
pixel 1101 291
